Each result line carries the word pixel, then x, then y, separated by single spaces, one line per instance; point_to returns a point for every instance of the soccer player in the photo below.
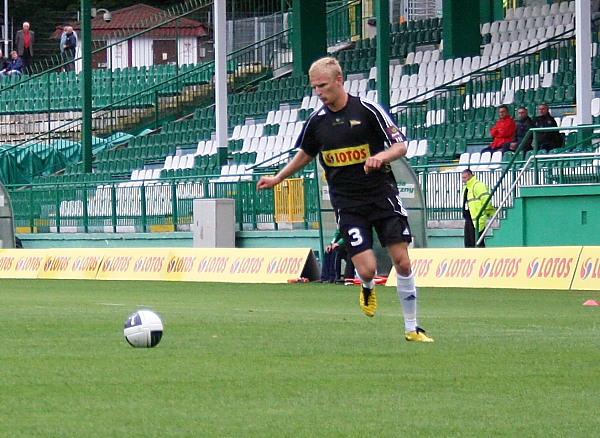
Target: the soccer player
pixel 356 140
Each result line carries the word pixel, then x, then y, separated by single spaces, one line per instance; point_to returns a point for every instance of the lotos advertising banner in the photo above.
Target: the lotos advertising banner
pixel 18 263
pixel 514 268
pixel 230 265
pixel 587 275
pixel 571 267
pixel 76 264
pixel 440 267
pixel 134 264
pixel 528 268
pixel 242 265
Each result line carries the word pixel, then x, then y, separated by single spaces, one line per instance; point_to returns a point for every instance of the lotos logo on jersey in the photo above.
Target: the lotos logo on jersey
pixel 347 156
pixel 590 269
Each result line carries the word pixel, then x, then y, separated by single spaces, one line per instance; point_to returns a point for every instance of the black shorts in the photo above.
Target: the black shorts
pixel 356 225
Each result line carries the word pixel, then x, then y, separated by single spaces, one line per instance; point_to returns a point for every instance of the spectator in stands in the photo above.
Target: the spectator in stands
pixel 503 131
pixel 15 66
pixel 24 41
pixel 475 195
pixel 335 252
pixel 68 46
pixel 356 140
pixel 547 140
pixel 4 62
pixel 523 125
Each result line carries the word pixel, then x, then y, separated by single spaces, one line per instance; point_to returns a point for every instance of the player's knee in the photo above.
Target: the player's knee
pixel 366 273
pixel 403 268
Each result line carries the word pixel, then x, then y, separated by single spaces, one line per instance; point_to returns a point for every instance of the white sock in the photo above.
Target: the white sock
pixel 367 284
pixel 407 293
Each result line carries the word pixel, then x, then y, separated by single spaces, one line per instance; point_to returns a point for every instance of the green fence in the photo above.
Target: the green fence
pixel 150 205
pixel 344 21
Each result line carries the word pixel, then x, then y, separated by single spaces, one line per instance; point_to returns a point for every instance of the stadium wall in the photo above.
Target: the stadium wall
pixel 180 239
pixel 552 215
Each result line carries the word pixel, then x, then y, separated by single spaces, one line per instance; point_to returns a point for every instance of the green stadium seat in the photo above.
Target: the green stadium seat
pixel 460 130
pixel 570 94
pixel 450 131
pixel 480 131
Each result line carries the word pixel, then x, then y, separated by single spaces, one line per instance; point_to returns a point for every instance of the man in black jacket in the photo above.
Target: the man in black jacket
pixel 69 47
pixel 547 140
pixel 523 125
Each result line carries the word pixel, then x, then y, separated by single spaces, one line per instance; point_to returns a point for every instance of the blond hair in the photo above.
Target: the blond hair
pixel 326 65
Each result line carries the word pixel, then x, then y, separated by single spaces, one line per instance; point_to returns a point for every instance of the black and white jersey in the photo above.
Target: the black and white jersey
pixel 344 140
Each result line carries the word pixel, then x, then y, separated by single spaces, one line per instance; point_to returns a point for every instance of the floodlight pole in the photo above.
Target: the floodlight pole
pixel 382 11
pixel 86 85
pixel 220 41
pixel 6 28
pixel 583 61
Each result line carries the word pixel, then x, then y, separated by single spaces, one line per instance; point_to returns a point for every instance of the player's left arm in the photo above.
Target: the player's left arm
pixel 395 151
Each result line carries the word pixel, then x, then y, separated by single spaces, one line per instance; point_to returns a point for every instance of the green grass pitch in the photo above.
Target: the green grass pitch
pixel 297 360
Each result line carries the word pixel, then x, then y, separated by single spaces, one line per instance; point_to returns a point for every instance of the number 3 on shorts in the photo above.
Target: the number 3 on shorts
pixel 354 234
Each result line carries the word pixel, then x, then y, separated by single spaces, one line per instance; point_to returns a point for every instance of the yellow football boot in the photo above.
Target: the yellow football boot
pixel 418 335
pixel 368 300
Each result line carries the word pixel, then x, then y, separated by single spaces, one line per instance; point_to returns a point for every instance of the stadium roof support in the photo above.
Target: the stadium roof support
pixel 310 33
pixel 583 61
pixel 461 28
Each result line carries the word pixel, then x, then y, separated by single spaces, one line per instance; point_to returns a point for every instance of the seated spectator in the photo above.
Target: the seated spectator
pixel 547 140
pixel 523 125
pixel 503 131
pixel 15 67
pixel 335 252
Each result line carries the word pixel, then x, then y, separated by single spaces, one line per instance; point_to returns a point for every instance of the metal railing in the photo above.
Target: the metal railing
pixel 345 21
pixel 142 206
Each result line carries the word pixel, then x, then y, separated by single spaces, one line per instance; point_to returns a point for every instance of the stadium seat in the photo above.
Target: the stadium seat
pixel 463 162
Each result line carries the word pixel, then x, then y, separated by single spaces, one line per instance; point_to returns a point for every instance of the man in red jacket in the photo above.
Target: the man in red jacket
pixel 503 131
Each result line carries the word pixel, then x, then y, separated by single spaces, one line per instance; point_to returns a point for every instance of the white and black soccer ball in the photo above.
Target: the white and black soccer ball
pixel 143 329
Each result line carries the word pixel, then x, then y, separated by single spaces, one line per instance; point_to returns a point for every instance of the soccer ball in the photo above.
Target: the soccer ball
pixel 143 329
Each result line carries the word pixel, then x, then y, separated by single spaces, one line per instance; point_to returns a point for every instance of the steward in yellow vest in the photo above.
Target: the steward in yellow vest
pixel 475 195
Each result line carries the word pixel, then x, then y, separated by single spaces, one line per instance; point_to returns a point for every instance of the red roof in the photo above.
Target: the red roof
pixel 136 18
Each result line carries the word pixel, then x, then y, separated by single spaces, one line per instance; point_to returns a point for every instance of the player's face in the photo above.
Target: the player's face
pixel 328 88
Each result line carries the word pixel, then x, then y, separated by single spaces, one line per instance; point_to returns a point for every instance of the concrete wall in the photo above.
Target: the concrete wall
pixel 552 216
pixel 244 239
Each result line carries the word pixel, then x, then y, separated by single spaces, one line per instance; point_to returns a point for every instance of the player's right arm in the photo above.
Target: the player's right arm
pixel 298 163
